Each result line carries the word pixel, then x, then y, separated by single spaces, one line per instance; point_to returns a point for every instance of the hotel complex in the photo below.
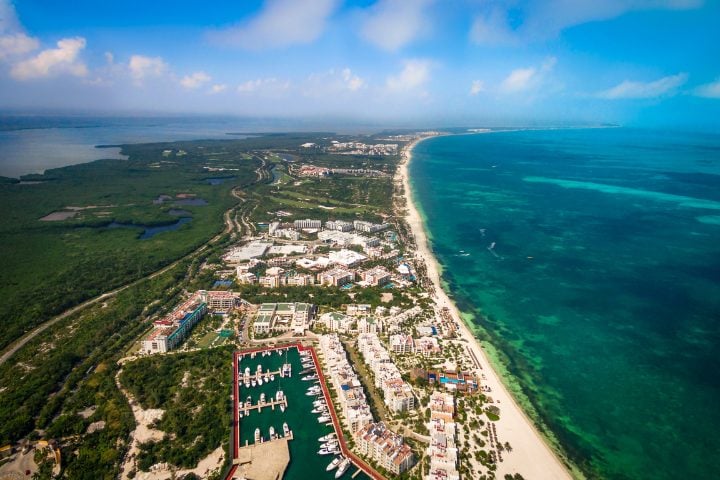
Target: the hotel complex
pixel 170 331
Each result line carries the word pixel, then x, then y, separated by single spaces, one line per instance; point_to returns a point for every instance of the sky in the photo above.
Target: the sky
pixel 636 62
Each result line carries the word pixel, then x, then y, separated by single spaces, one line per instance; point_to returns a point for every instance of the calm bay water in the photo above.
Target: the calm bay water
pixel 602 289
pixel 34 144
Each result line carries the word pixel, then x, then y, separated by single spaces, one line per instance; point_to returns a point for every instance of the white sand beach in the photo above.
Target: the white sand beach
pixel 531 456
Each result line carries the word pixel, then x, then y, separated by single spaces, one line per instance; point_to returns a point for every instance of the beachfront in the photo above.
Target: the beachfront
pixel 531 456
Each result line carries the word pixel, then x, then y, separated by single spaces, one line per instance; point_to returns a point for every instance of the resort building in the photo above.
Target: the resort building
pixel 339 225
pixel 386 448
pixel 359 309
pixel 347 258
pixel 442 451
pixel 220 301
pixel 247 278
pixel 370 324
pixel 427 347
pixel 398 395
pixel 171 330
pixel 376 276
pixel 402 344
pixel 283 317
pixel 308 224
pixel 336 277
pixel 351 396
pixel 255 249
pixel 345 239
pixel 337 322
pixel 369 227
pixel 463 382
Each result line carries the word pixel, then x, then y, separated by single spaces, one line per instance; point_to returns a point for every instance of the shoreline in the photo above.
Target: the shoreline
pixel 532 456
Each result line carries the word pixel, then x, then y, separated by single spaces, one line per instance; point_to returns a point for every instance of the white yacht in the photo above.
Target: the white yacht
pixel 327 438
pixel 272 433
pixel 324 419
pixel 257 435
pixel 286 429
pixel 332 465
pixel 342 468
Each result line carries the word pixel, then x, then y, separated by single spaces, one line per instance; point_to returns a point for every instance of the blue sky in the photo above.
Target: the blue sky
pixel 641 62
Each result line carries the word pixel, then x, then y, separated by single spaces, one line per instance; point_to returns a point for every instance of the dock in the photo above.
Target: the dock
pixel 259 406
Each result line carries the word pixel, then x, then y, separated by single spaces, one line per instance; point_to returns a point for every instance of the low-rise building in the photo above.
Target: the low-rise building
pixel 339 225
pixel 442 451
pixel 172 329
pixel 376 276
pixel 283 317
pixel 402 344
pixel 397 394
pixel 254 249
pixel 336 277
pixel 427 346
pixel 347 258
pixel 220 300
pixel 359 309
pixel 308 224
pixel 386 448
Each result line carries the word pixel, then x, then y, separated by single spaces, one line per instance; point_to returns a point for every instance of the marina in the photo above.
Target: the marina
pixel 289 419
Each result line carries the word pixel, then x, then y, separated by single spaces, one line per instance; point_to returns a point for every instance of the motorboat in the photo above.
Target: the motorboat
pixel 328 451
pixel 247 371
pixel 259 381
pixel 333 465
pixel 262 398
pixel 324 419
pixel 319 410
pixel 279 395
pixel 286 429
pixel 272 433
pixel 307 378
pixel 253 382
pixel 329 445
pixel 282 408
pixel 342 468
pixel 272 378
pixel 327 438
pixel 257 435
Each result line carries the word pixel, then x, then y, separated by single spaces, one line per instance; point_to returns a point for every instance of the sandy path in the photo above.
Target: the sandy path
pixel 531 456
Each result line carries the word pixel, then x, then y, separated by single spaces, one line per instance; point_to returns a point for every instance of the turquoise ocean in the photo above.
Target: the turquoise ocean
pixel 590 258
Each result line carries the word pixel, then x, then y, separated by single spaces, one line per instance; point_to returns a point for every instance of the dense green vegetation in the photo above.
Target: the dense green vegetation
pixel 51 266
pixel 71 367
pixel 194 390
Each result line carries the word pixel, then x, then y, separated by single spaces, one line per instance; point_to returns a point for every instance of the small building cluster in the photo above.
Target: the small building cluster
pixel 397 393
pixel 358 148
pixel 442 451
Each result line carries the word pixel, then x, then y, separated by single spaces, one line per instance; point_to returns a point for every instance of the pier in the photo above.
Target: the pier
pixel 259 406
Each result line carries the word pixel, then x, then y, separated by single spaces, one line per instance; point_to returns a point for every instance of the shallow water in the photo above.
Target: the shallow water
pixel 602 287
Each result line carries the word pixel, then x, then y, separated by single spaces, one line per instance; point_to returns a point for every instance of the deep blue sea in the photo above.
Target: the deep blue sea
pixel 591 259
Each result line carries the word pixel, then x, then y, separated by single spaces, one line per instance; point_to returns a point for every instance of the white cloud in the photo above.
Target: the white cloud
pixel 522 79
pixel 265 85
pixel 109 58
pixel 709 90
pixel 142 67
pixel 392 24
pixel 281 23
pixel 53 61
pixel 218 88
pixel 414 74
pixel 665 86
pixel 543 19
pixel 195 80
pixel 13 39
pixel 352 82
pixel 476 87
pixel 17 44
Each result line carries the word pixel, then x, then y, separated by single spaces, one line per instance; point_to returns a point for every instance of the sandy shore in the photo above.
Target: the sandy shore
pixel 531 456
